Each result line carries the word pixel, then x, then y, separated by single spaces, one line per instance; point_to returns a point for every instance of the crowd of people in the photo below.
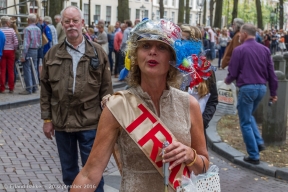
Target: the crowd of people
pixel 75 63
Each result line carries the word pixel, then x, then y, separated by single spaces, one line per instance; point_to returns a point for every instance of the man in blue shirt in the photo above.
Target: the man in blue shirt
pixel 251 66
pixel 2 43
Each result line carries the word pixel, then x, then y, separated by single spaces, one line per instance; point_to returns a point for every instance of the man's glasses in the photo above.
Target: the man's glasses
pixel 74 21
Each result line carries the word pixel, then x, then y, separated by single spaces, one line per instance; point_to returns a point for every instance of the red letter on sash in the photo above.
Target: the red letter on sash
pixel 141 118
pixel 157 144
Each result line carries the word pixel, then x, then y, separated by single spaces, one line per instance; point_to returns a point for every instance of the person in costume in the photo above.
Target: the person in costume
pixel 206 91
pixel 150 112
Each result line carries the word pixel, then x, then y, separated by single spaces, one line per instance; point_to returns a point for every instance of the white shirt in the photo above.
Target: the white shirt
pixel 202 101
pixel 211 35
pixel 76 56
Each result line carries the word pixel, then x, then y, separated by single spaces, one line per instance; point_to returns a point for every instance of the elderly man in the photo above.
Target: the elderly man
pixel 251 66
pixel 8 57
pixel 74 79
pixel 31 43
pixel 60 32
pixel 102 38
pixel 237 23
pixel 48 23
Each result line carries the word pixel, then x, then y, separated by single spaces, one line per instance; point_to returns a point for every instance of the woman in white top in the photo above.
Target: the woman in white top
pixel 223 40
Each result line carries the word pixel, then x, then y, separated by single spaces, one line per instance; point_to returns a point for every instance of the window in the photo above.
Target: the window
pixel 97 12
pixel 33 7
pixel 129 12
pixel 3 3
pixel 165 14
pixel 173 16
pixel 147 0
pixel 146 14
pixel 165 2
pixel 157 14
pixel 191 3
pixel 173 3
pixel 137 16
pixel 74 4
pixel 86 13
pixel 108 13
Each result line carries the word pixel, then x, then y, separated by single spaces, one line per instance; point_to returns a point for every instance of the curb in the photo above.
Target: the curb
pixel 223 149
pixel 10 105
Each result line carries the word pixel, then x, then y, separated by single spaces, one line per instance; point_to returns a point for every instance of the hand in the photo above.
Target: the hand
pixel 48 130
pixel 179 153
pixel 273 99
pixel 22 59
pixel 226 82
pixel 95 39
pixel 104 100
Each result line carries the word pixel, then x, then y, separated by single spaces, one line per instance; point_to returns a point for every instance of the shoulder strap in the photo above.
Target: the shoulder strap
pixel 146 130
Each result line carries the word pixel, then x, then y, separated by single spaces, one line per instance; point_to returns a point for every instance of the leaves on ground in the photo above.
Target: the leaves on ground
pixel 229 130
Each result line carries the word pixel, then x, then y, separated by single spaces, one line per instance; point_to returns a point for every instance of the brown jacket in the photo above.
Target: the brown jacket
pixel 229 49
pixel 81 110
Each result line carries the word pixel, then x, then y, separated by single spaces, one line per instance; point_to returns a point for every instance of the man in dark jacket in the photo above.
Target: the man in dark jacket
pixel 74 79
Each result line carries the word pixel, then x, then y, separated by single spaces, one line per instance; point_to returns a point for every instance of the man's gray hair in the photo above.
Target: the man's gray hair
pixel 32 17
pixel 4 20
pixel 122 25
pixel 57 16
pixel 71 6
pixel 48 19
pixel 238 23
pixel 249 28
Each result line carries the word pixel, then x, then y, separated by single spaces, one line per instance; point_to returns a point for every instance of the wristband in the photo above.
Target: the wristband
pixel 194 160
pixel 47 120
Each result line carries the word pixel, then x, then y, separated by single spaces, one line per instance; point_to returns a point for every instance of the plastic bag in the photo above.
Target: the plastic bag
pixel 227 98
pixel 207 182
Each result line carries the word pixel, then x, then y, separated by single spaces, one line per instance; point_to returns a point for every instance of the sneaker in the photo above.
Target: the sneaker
pixel 261 147
pixel 25 93
pixel 252 161
pixel 11 91
pixel 34 91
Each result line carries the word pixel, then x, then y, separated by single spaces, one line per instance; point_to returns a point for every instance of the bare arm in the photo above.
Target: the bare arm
pixel 181 153
pixel 105 140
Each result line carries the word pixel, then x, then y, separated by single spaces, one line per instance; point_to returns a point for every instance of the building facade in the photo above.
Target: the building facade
pixel 107 10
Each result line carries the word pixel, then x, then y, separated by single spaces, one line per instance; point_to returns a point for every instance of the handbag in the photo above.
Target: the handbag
pixel 44 39
pixel 207 182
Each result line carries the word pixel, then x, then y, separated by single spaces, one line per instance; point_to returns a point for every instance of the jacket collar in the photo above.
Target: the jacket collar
pixel 62 52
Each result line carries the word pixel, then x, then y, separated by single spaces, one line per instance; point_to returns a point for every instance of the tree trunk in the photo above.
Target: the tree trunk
pixel 204 12
pixel 181 11
pixel 161 9
pixel 259 14
pixel 55 7
pixel 187 12
pixel 218 16
pixel 211 11
pixel 281 16
pixel 123 10
pixel 235 11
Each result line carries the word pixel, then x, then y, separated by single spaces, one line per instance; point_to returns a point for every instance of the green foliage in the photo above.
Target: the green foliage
pixel 247 11
pixel 227 9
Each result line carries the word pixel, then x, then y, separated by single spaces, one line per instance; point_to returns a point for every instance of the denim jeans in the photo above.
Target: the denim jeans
pixel 212 50
pixel 111 59
pixel 68 153
pixel 28 73
pixel 121 61
pixel 248 99
pixel 220 55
